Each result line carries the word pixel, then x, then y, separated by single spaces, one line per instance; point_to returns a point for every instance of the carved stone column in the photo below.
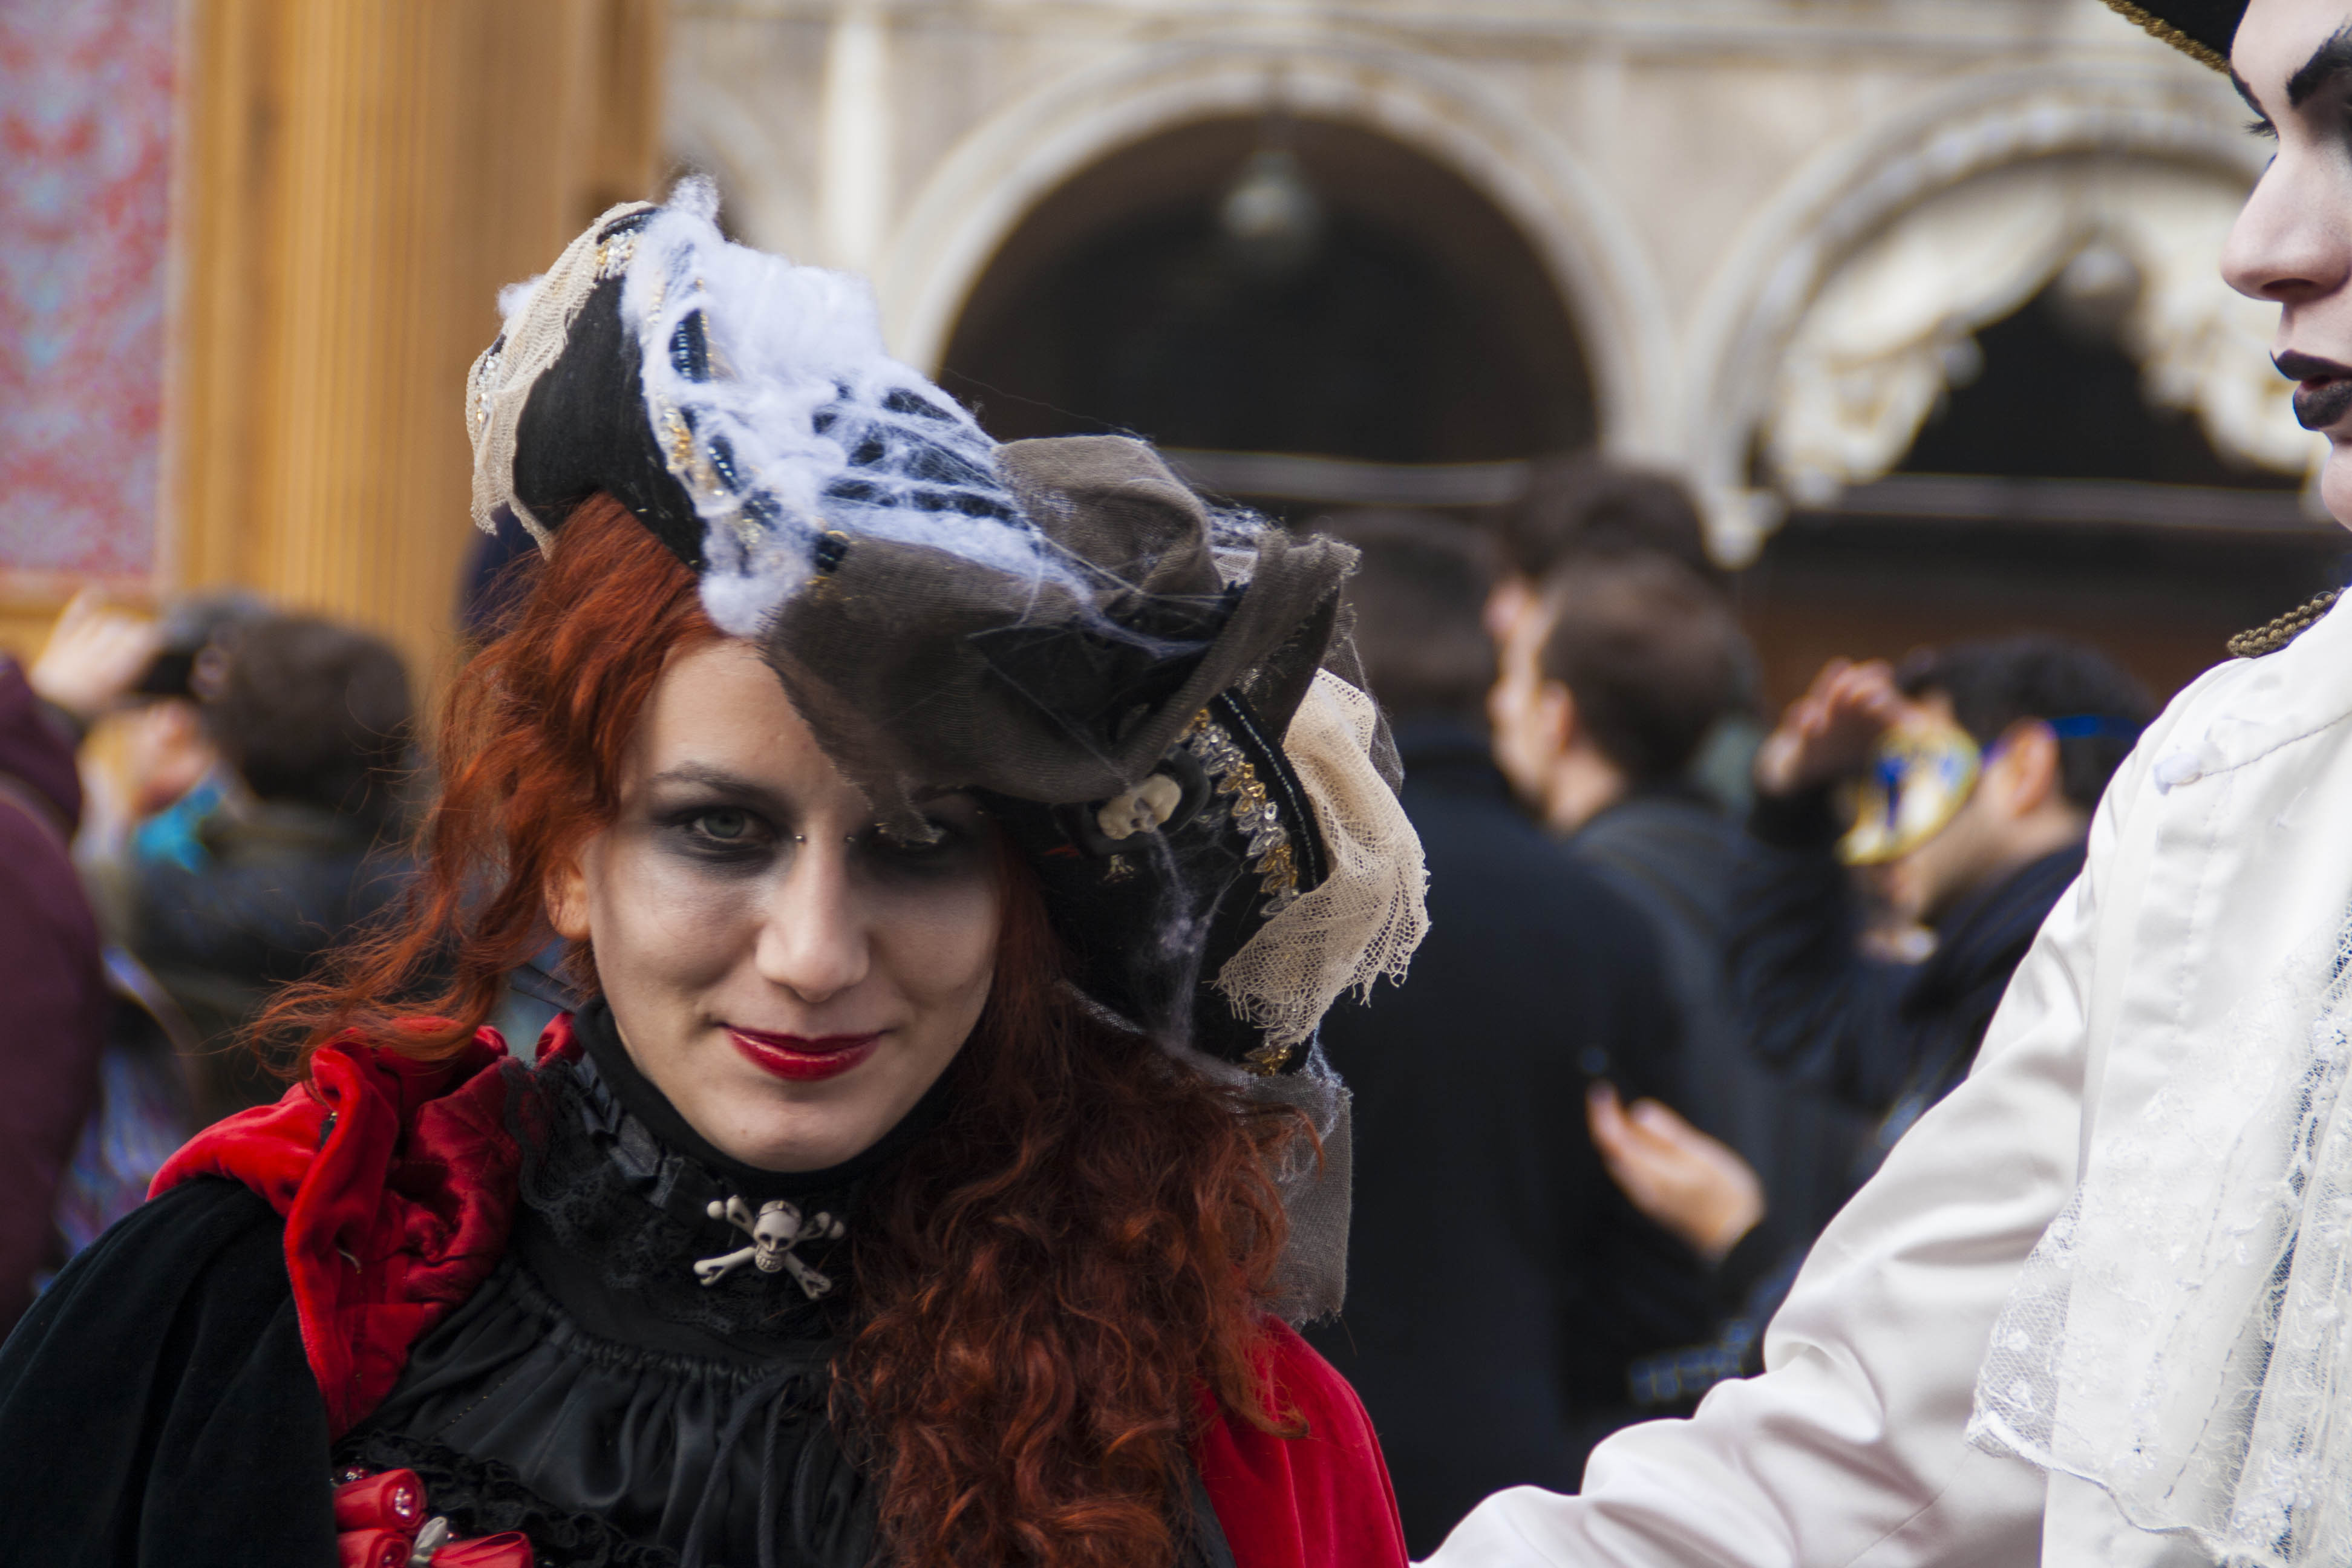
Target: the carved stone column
pixel 358 178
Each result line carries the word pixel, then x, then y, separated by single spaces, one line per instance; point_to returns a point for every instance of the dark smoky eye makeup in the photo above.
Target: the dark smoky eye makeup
pixel 960 846
pixel 723 832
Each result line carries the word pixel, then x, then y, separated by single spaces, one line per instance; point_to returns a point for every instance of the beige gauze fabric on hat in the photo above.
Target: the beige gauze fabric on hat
pixel 1368 915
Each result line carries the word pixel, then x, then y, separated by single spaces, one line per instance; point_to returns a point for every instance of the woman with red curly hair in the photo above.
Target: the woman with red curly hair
pixel 955 847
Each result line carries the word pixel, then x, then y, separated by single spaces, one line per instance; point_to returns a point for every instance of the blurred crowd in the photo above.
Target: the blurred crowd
pixel 193 806
pixel 1686 979
pixel 1692 968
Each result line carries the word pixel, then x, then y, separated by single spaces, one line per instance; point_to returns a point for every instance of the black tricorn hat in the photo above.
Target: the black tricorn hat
pixel 1157 698
pixel 2202 30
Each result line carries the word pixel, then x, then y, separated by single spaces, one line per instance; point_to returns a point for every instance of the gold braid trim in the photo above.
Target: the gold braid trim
pixel 1272 860
pixel 2276 634
pixel 2157 28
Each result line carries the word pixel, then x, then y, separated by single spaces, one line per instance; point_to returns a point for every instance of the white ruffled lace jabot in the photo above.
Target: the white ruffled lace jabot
pixel 2182 1335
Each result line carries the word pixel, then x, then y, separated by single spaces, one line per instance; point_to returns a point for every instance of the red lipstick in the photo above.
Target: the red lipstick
pixel 799 1058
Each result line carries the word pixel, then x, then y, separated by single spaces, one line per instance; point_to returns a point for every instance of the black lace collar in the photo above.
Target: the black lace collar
pixel 618 1190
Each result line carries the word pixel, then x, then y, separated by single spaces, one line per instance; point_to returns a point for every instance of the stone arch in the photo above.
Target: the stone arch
pixel 981 191
pixel 1405 321
pixel 1855 193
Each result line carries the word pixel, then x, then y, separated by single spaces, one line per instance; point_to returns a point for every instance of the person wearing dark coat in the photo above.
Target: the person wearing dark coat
pixel 2051 720
pixel 279 884
pixel 52 971
pixel 1500 1285
pixel 2011 741
pixel 1887 1037
pixel 312 717
pixel 1623 664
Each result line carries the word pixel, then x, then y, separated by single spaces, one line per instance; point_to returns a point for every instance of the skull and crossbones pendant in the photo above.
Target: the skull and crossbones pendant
pixel 776 1230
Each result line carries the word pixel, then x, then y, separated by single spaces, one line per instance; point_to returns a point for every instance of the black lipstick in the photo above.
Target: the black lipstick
pixel 2323 394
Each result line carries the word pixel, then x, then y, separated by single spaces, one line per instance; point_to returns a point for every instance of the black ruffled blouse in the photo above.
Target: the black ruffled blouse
pixel 594 1375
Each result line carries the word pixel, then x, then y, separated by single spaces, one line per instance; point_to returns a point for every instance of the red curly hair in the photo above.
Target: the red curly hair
pixel 1046 1283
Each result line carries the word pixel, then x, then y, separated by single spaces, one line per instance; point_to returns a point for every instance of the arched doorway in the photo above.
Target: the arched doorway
pixel 1293 287
pixel 2046 489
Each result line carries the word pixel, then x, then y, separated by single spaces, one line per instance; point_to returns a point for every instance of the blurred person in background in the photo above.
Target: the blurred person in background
pixel 121 682
pixel 1976 767
pixel 1982 762
pixel 1610 682
pixel 55 982
pixel 311 719
pixel 1500 1285
pixel 115 681
pixel 1973 770
pixel 1587 504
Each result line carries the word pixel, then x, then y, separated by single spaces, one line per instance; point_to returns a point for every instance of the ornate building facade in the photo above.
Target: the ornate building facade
pixel 1768 243
pixel 252 246
pixel 1921 295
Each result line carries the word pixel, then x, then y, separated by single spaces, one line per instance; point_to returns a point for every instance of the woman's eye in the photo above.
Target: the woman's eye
pixel 723 832
pixel 728 827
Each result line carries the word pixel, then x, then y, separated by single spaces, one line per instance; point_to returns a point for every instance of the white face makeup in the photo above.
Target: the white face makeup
pixel 792 979
pixel 2293 244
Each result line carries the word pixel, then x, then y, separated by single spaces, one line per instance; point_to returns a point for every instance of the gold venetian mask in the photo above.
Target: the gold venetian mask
pixel 1919 777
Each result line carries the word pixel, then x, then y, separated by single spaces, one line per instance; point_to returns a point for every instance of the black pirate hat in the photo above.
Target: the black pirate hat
pixel 1157 698
pixel 2202 30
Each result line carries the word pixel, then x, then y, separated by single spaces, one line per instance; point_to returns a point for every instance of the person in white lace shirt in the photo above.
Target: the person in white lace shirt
pixel 2094 1309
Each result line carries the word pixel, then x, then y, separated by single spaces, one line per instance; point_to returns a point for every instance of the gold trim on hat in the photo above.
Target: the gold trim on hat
pixel 2157 28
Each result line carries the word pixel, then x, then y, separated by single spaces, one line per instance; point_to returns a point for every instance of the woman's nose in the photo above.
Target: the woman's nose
pixel 814 942
pixel 2282 249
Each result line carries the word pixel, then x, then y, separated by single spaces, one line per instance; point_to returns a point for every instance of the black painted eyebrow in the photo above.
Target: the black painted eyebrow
pixel 2326 61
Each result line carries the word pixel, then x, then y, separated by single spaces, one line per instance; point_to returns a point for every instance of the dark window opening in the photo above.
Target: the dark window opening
pixel 2058 398
pixel 2036 498
pixel 1415 326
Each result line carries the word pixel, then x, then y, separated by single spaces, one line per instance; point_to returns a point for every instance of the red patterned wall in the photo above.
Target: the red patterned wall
pixel 85 211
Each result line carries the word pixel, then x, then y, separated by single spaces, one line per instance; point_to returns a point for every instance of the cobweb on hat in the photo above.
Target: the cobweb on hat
pixel 777 410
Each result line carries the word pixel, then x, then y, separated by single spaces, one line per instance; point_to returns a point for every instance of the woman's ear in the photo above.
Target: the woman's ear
pixel 567 900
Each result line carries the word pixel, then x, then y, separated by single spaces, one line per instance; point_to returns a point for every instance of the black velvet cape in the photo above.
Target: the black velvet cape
pixel 156 1408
